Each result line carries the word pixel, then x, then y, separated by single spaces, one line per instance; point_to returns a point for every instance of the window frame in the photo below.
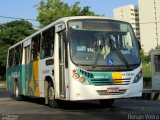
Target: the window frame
pixel 37 42
pixel 20 49
pixel 52 30
pixel 11 58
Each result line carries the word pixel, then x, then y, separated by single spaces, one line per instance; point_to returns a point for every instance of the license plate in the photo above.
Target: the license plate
pixel 112 90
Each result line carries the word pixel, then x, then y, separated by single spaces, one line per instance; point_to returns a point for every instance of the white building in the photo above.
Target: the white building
pixel 130 14
pixel 149 15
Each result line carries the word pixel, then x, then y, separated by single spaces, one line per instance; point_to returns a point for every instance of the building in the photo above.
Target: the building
pixel 130 14
pixel 149 15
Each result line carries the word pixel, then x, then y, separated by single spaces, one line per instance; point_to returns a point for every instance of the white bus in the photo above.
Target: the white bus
pixel 77 58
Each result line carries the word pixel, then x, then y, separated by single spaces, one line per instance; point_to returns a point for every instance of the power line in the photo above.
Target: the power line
pixel 150 22
pixel 17 18
pixel 37 20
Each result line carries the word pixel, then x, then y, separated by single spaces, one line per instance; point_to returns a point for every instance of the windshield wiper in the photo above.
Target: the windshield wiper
pixel 113 46
pixel 121 56
pixel 97 56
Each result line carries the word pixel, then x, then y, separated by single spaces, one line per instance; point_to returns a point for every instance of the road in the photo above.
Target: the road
pixel 34 108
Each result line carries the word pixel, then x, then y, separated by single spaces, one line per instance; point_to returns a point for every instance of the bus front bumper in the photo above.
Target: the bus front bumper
pixel 91 92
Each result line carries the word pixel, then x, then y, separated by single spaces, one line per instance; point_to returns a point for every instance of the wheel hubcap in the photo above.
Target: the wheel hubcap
pixel 51 93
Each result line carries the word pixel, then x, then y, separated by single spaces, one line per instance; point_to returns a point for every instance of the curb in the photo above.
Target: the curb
pixel 150 94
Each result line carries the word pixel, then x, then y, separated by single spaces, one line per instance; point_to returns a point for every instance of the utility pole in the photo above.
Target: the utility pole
pixel 156 22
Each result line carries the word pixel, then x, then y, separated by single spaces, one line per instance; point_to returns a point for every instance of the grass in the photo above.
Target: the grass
pixel 3 82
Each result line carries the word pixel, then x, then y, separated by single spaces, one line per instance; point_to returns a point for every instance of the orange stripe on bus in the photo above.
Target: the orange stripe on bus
pixel 117 77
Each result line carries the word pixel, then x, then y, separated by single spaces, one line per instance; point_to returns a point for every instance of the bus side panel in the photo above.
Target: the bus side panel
pixel 37 71
pixel 46 69
pixel 41 76
pixel 33 80
pixel 36 77
pixel 15 73
pixel 23 79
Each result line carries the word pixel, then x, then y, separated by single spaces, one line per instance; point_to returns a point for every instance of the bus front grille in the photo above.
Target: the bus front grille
pixel 99 79
pixel 110 81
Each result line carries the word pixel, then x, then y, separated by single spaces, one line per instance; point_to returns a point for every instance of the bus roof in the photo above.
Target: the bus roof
pixel 64 19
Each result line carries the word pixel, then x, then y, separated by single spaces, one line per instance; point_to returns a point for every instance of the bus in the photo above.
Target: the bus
pixel 77 58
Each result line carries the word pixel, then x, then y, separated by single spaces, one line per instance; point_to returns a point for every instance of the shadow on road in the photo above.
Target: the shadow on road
pixel 81 105
pixel 4 93
pixel 68 105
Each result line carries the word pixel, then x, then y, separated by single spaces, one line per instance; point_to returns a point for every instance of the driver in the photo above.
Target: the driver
pixel 106 47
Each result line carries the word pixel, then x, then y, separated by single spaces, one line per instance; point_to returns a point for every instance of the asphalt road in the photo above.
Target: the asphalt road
pixel 34 109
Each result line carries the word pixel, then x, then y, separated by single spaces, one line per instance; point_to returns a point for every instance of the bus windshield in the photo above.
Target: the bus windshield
pixel 102 43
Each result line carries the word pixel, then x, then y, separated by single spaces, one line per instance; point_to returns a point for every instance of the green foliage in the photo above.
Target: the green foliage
pixel 145 56
pixel 146 70
pixel 147 75
pixel 51 10
pixel 11 33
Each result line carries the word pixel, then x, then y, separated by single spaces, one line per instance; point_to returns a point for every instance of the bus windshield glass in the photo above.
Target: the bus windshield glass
pixel 102 43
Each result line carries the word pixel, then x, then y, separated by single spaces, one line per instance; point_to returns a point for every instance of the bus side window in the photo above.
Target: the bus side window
pixel 11 57
pixel 35 55
pixel 18 55
pixel 48 43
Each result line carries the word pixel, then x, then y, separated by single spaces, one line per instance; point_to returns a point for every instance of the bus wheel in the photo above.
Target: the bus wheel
pixel 51 96
pixel 106 102
pixel 16 92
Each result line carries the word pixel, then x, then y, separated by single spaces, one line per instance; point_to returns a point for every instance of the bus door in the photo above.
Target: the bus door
pixel 61 64
pixel 61 59
pixel 27 55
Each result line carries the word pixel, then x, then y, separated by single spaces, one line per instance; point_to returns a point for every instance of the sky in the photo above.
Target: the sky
pixel 27 8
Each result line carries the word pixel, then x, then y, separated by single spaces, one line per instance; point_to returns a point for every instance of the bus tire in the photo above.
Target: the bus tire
pixel 51 96
pixel 16 92
pixel 106 102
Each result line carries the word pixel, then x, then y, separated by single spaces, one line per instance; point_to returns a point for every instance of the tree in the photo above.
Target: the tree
pixel 51 10
pixel 145 56
pixel 11 33
pixel 85 11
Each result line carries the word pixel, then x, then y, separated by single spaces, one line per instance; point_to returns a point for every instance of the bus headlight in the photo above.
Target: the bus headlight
pixel 76 75
pixel 83 80
pixel 138 77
